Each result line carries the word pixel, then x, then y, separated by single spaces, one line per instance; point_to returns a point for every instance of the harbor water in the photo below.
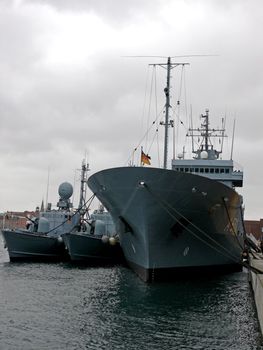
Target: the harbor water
pixel 60 306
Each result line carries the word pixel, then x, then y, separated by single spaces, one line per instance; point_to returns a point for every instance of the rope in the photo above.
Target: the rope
pixel 143 137
pixel 149 107
pixel 228 254
pixel 156 116
pixel 252 268
pixel 78 210
pixel 229 219
pixel 185 99
pixel 254 255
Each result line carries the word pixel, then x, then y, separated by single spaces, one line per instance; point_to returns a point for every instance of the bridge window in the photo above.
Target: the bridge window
pixel 197 170
pixel 222 170
pixel 227 171
pixel 186 170
pixel 216 170
pixel 212 170
pixel 182 169
pixel 201 170
pixel 191 170
pixel 206 170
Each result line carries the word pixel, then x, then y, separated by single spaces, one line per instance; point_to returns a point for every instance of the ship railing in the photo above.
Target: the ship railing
pixel 237 168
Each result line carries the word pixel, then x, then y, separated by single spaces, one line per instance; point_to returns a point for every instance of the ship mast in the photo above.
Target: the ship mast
pixel 167 106
pixel 167 122
pixel 206 133
pixel 83 184
pixel 206 130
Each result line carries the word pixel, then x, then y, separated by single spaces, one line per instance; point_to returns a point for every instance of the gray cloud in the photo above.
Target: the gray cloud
pixel 117 11
pixel 65 87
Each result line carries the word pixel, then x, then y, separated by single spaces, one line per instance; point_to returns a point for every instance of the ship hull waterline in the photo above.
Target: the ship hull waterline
pixel 91 250
pixel 26 246
pixel 170 222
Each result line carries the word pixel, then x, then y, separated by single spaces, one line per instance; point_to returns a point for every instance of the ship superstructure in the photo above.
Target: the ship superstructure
pixel 206 161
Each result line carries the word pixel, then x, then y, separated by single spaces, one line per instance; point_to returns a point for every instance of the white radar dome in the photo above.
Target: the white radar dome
pixel 180 155
pixel 204 155
pixel 65 190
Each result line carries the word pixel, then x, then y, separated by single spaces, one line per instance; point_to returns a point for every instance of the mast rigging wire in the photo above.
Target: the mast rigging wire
pixel 171 209
pixel 150 104
pixel 153 87
pixel 77 211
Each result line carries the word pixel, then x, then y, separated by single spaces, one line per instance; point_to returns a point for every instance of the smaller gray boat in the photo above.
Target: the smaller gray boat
pixel 42 238
pixel 94 241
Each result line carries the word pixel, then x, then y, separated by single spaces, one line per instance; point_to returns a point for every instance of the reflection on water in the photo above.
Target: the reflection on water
pixel 59 306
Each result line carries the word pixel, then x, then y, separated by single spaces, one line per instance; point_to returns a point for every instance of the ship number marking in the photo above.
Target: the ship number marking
pixel 186 251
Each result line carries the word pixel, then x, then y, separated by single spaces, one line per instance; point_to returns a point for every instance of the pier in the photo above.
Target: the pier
pixel 256 280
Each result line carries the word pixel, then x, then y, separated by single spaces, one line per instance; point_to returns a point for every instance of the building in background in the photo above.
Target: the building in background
pixel 255 228
pixel 13 219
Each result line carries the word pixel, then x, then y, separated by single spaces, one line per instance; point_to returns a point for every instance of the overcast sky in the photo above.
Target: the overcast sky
pixel 67 90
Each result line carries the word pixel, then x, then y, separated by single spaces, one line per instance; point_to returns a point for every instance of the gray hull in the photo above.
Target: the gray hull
pixel 90 249
pixel 170 222
pixel 23 245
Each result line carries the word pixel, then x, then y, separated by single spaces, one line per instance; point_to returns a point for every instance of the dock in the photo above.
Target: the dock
pixel 256 280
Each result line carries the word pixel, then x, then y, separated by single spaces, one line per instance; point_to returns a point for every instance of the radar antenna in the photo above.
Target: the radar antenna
pixel 206 133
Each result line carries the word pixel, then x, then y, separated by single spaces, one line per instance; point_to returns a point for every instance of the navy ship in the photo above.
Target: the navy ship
pixel 186 219
pixel 41 240
pixel 94 241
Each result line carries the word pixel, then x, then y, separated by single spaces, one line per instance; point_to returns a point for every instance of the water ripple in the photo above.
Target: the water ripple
pixel 58 306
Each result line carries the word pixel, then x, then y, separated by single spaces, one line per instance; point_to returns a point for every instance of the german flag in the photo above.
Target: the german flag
pixel 145 158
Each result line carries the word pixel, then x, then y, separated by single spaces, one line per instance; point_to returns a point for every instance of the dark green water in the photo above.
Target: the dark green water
pixel 57 306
